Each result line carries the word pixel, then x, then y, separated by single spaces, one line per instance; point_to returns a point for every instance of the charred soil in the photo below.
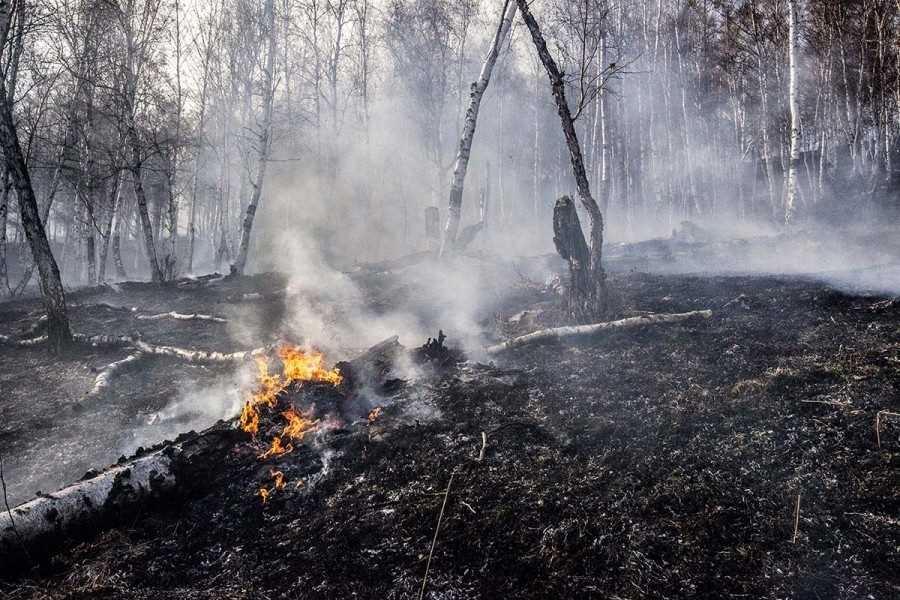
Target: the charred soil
pixel 658 462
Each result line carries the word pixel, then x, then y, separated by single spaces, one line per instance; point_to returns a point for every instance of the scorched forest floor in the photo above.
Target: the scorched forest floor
pixel 656 462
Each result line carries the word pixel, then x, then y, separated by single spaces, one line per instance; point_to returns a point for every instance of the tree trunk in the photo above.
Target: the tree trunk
pixel 51 285
pixel 569 240
pixel 265 144
pixel 140 195
pixel 594 303
pixel 465 143
pixel 794 101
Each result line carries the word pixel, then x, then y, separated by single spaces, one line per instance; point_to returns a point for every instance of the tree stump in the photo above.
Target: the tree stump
pixel 571 246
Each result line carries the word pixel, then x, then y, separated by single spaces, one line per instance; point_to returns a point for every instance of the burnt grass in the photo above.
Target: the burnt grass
pixel 659 462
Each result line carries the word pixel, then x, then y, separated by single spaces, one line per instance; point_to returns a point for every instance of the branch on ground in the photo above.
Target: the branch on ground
pixel 559 333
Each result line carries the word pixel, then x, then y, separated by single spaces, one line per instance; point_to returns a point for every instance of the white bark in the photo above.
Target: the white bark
pixel 197 356
pixel 265 144
pixel 104 377
pixel 465 143
pixel 794 101
pixel 50 516
pixel 588 330
pixel 182 317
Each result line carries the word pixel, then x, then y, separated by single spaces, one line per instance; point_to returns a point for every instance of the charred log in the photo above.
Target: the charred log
pixel 373 369
pixel 36 529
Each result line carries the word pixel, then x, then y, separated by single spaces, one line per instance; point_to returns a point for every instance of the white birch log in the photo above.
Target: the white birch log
pixel 104 377
pixel 11 341
pixel 465 142
pixel 52 516
pixel 588 330
pixel 182 317
pixel 197 356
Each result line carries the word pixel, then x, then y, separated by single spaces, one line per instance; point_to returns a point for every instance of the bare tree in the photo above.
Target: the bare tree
pixel 58 331
pixel 265 141
pixel 465 143
pixel 589 297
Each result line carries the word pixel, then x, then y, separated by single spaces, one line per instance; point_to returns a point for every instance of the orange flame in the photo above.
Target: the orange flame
pixel 300 365
pixel 297 365
pixel 297 424
pixel 276 449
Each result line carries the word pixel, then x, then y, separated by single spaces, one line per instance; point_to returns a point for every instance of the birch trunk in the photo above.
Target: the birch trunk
pixel 265 143
pixel 794 101
pixel 468 133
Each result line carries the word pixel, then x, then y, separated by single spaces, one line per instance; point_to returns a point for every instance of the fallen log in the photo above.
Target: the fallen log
pixel 588 330
pixel 197 356
pixel 182 317
pixel 35 529
pixel 373 368
pixel 104 377
pixel 180 469
pixel 11 341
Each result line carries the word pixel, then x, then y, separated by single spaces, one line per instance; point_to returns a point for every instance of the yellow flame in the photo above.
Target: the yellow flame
pixel 297 424
pixel 300 365
pixel 297 365
pixel 276 449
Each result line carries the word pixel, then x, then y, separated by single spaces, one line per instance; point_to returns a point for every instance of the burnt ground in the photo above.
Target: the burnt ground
pixel 658 462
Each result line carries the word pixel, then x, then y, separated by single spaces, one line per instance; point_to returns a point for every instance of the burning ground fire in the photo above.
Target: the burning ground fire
pixel 297 365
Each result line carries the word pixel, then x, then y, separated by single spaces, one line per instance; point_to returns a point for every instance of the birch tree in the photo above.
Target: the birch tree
pixel 461 164
pixel 794 101
pixel 265 141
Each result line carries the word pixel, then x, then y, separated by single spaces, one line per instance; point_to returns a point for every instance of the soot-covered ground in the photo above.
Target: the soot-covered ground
pixel 657 462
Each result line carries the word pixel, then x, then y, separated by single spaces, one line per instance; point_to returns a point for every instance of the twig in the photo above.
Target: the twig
pixel 9 512
pixel 483 446
pixel 437 530
pixel 796 519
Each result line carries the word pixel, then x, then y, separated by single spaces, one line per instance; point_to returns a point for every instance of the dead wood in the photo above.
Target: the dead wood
pixel 558 333
pixel 41 526
pixel 374 367
pixel 104 377
pixel 197 356
pixel 12 341
pixel 572 247
pixel 182 317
